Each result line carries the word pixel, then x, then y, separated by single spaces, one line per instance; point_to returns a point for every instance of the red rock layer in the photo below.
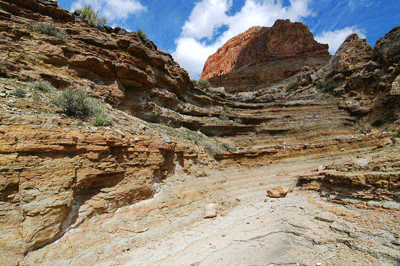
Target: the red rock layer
pixel 262 45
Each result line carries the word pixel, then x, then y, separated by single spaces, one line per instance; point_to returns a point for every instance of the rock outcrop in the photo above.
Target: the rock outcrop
pixel 263 55
pixel 119 68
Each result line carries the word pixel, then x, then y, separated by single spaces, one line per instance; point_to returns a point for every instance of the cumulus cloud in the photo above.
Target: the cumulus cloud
pixel 112 9
pixel 197 40
pixel 337 37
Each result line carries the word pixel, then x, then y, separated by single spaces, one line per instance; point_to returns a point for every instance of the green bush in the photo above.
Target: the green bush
pixel 92 16
pixel 43 86
pixel 141 35
pixel 18 92
pixel 204 83
pixel 51 30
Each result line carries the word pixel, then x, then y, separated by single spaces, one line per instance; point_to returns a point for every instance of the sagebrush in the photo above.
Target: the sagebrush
pixel 51 30
pixel 91 16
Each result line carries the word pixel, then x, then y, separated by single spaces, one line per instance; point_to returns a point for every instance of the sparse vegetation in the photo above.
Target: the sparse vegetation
pixel 377 122
pixel 238 120
pixel 141 35
pixel 43 86
pixel 18 92
pixel 204 83
pixel 226 108
pixel 291 87
pixel 223 118
pixel 51 30
pixel 73 103
pixel 229 146
pixel 77 104
pixel 100 115
pixel 327 86
pixel 397 133
pixel 91 16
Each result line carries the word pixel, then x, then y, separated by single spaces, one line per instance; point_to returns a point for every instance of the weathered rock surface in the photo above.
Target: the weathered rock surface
pixel 263 55
pixel 353 54
pixel 375 177
pixel 387 49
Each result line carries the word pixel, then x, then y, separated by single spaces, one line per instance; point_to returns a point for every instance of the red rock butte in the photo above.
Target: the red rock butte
pixel 264 55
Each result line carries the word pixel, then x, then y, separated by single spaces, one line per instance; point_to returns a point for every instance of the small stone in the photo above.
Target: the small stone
pixel 210 211
pixel 3 94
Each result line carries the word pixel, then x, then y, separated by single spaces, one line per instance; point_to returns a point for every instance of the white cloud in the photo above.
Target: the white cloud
pixel 337 37
pixel 209 15
pixel 112 9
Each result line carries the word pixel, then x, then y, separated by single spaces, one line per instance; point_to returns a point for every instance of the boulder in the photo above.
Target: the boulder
pixel 278 192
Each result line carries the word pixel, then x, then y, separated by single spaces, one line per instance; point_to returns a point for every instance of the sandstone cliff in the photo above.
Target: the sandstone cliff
pixel 263 55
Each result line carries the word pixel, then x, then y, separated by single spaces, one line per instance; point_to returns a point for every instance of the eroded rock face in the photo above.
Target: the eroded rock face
pixel 353 54
pixel 264 55
pixel 109 66
pixel 387 49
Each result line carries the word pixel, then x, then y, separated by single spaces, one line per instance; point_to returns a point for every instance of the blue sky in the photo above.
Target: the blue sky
pixel 191 30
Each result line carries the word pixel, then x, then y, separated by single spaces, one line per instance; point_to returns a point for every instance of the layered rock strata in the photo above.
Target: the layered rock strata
pixel 263 55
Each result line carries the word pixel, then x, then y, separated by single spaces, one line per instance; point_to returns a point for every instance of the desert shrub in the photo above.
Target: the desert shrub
pixel 18 92
pixel 213 146
pixel 229 146
pixel 226 108
pixel 91 16
pixel 377 122
pixel 43 86
pixel 204 83
pixel 51 30
pixel 223 118
pixel 141 35
pixel 78 104
pixel 73 103
pixel 397 133
pixel 100 115
pixel 291 87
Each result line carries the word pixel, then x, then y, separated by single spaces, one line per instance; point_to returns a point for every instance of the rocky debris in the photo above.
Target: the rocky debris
pixel 384 142
pixel 210 211
pixel 359 180
pixel 278 192
pixel 263 55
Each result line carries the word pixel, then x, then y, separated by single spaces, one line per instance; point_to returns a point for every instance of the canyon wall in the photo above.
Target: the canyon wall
pixel 263 56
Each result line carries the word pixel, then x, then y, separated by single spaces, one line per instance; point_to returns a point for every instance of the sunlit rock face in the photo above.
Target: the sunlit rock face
pixel 264 55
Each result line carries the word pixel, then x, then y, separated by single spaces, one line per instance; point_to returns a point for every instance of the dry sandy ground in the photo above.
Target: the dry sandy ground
pixel 250 229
